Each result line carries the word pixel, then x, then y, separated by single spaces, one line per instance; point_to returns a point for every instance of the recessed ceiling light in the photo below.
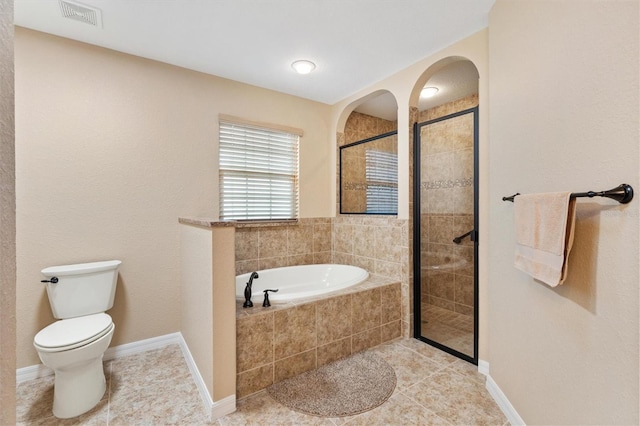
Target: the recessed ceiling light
pixel 428 92
pixel 303 66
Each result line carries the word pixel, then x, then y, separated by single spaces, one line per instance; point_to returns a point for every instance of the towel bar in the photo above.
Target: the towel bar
pixel 622 194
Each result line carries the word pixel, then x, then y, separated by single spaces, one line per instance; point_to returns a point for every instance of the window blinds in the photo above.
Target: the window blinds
pixel 258 173
pixel 382 181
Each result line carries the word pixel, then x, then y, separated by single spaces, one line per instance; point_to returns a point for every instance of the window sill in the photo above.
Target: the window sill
pixel 215 223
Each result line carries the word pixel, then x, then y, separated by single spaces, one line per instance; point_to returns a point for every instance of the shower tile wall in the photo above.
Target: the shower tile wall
pixel 362 126
pixel 449 108
pixel 447 208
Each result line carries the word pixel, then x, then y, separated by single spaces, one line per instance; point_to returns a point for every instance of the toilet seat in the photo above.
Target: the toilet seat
pixel 72 333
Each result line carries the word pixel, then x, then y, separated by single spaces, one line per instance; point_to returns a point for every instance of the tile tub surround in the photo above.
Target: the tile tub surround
pixel 287 339
pixel 382 246
pixel 379 244
pixel 303 242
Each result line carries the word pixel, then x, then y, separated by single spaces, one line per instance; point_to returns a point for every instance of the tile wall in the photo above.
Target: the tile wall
pixel 277 343
pixel 379 244
pixel 362 126
pixel 304 243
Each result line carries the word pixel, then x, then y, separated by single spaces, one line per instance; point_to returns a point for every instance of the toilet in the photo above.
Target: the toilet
pixel 74 345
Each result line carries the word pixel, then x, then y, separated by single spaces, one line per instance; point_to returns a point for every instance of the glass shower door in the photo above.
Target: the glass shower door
pixel 445 233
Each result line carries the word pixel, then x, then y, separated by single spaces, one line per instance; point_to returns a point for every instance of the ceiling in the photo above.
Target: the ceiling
pixel 354 43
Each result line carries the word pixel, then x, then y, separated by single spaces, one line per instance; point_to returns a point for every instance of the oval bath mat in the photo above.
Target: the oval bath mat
pixel 346 387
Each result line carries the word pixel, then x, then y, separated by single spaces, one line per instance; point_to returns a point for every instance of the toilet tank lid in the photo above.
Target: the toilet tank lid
pixel 71 331
pixel 80 268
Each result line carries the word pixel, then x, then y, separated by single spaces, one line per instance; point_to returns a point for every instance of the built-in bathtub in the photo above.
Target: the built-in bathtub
pixel 303 333
pixel 299 282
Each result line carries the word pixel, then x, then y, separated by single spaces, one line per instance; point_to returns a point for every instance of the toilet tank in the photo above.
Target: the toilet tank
pixel 82 289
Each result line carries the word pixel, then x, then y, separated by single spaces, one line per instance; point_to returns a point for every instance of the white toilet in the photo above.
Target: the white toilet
pixel 73 347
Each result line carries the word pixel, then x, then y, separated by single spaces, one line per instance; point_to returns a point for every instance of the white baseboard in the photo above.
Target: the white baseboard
pixel 218 408
pixel 142 346
pixel 197 377
pixel 223 407
pixel 32 372
pixel 503 402
pixel 37 371
pixel 483 367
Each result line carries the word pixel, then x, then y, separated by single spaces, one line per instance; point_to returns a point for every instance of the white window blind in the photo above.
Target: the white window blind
pixel 258 173
pixel 382 181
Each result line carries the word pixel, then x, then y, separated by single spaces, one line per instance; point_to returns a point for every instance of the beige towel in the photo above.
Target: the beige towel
pixel 544 235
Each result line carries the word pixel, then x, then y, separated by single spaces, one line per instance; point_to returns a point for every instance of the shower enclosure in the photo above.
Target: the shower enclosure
pixel 445 233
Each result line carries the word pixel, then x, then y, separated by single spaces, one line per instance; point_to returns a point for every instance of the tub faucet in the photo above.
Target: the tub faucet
pixel 266 302
pixel 247 291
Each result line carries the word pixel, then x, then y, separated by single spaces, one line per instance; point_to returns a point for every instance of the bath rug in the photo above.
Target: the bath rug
pixel 346 387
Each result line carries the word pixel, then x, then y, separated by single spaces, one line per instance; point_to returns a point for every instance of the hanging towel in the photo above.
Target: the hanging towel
pixel 544 235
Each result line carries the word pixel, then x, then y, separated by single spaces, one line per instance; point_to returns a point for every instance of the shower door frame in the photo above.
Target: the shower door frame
pixel 417 276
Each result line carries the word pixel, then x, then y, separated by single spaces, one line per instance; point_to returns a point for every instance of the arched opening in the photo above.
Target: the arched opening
pixel 368 156
pixel 446 207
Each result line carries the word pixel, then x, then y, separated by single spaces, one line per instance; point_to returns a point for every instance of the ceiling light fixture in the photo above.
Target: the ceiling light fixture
pixel 428 92
pixel 303 66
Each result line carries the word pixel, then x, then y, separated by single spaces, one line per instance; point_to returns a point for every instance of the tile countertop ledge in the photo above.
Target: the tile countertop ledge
pixel 215 223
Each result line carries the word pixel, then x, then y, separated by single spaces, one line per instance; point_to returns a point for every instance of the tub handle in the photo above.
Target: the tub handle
pixel 266 302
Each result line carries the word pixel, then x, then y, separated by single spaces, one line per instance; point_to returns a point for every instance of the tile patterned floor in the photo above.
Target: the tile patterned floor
pixel 447 327
pixel 151 388
pixel 155 388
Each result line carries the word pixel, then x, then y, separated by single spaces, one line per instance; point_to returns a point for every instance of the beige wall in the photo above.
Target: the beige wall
pixel 111 150
pixel 564 116
pixel 196 250
pixel 7 219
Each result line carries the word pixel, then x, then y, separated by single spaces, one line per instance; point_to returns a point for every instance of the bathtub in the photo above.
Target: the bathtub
pixel 298 282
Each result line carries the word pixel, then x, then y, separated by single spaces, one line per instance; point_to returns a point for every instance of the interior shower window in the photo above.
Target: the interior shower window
pixel 258 173
pixel 382 181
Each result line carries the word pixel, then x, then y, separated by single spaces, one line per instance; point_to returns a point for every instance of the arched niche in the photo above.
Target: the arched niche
pixel 368 156
pixel 452 75
pixel 380 104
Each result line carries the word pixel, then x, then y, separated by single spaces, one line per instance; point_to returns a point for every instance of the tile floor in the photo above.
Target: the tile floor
pixel 155 388
pixel 450 328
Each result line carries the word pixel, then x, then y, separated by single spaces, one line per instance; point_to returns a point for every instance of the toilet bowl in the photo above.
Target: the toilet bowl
pixel 79 375
pixel 73 346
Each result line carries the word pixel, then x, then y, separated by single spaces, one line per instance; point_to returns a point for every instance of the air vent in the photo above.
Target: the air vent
pixel 80 12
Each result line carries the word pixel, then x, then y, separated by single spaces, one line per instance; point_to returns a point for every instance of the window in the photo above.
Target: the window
pixel 382 181
pixel 258 172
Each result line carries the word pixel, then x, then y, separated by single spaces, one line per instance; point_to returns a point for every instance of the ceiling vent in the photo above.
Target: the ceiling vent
pixel 80 12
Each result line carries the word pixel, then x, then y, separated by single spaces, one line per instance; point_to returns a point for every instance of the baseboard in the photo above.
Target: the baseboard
pixel 197 377
pixel 32 372
pixel 142 346
pixel 37 371
pixel 503 402
pixel 223 407
pixel 483 367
